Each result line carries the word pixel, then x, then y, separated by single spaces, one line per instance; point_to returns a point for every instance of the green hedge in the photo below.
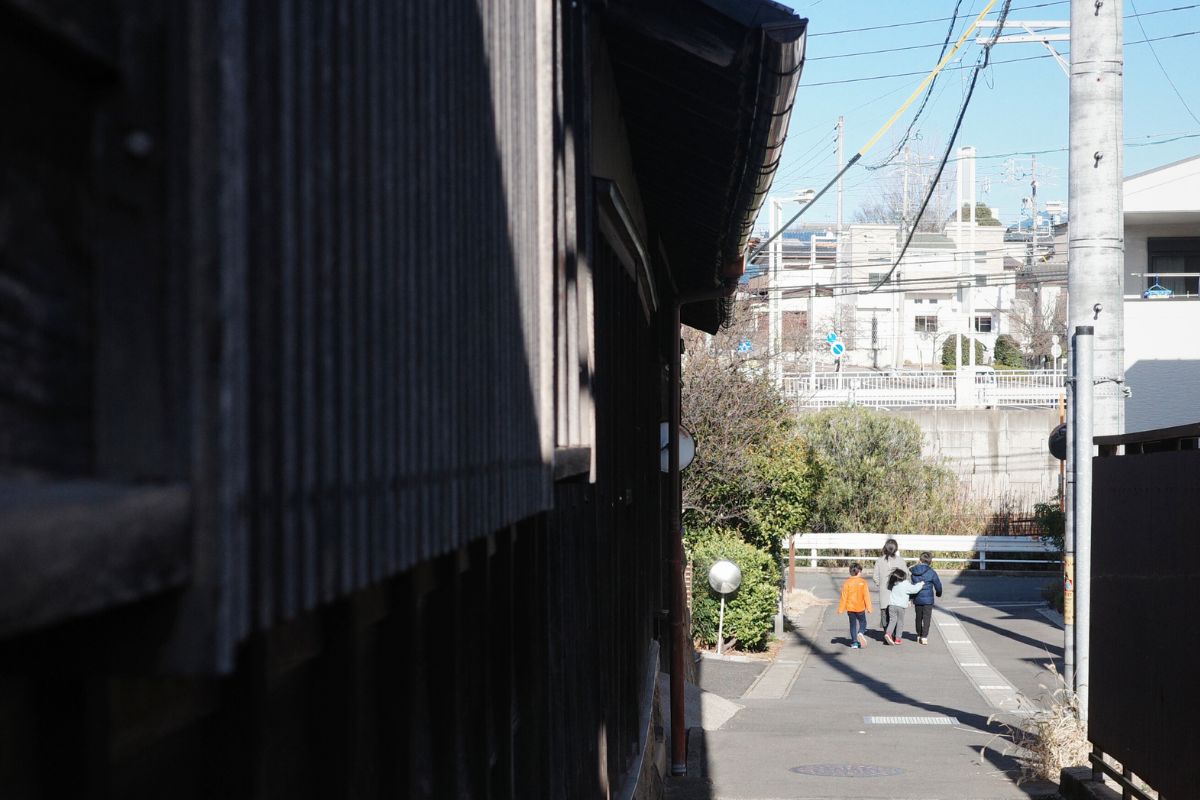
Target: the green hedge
pixel 750 611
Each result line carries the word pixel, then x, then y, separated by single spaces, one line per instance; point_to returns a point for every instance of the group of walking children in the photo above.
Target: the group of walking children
pixel 898 589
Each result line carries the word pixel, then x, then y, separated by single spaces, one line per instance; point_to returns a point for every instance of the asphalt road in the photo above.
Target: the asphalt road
pixel 828 721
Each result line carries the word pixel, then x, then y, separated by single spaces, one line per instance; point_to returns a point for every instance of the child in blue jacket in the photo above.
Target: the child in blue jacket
pixel 924 599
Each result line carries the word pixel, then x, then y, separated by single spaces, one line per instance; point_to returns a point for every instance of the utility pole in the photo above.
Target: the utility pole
pixel 774 345
pixel 958 255
pixel 841 140
pixel 1095 271
pixel 970 163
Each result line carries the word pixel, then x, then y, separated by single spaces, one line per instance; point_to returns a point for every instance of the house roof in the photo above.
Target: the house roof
pixel 1161 168
pixel 1167 193
pixel 706 91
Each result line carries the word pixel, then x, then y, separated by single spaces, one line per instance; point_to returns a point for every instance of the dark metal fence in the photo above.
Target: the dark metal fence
pixel 1145 559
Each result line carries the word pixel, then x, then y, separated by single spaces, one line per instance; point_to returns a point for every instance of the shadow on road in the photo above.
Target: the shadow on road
pixel 1051 650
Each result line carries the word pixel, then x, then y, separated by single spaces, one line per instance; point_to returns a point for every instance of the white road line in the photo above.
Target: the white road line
pixel 977 669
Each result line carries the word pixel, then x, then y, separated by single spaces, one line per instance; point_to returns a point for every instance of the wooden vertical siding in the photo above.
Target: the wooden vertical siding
pixel 376 259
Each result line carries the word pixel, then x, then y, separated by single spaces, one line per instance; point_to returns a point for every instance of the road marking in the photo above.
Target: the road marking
pixel 911 720
pixel 977 669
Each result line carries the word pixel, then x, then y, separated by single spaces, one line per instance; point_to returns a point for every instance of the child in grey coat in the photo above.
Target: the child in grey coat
pixel 901 589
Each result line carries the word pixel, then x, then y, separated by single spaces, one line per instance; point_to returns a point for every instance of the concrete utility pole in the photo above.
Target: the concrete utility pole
pixel 841 141
pixel 774 333
pixel 969 153
pixel 1095 271
pixel 960 295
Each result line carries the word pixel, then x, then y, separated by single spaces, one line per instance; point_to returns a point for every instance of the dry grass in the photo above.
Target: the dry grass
pixel 798 601
pixel 1052 737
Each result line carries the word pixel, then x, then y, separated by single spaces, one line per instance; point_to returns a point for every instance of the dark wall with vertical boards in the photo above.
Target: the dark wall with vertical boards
pixel 317 284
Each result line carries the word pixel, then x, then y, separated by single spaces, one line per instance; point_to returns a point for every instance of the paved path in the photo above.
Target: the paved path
pixel 829 721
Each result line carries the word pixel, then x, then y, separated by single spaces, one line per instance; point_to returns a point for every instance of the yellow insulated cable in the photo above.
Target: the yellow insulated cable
pixel 928 78
pixel 879 135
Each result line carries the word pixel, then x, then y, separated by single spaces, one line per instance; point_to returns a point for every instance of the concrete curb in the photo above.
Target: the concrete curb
pixel 1075 783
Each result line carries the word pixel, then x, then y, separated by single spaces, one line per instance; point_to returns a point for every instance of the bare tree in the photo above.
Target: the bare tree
pixel 731 407
pixel 1036 319
pixel 889 204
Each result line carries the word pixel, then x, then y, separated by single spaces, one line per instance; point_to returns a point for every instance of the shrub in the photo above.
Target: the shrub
pixel 1051 521
pixel 870 476
pixel 782 504
pixel 948 351
pixel 750 611
pixel 1008 353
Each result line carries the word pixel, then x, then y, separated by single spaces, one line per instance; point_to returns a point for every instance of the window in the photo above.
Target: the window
pixel 983 324
pixel 918 300
pixel 981 280
pixel 933 301
pixel 875 278
pixel 1181 254
pixel 925 324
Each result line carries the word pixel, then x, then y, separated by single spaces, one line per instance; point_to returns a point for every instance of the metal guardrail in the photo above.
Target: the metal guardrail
pixel 1124 777
pixel 926 388
pixel 818 546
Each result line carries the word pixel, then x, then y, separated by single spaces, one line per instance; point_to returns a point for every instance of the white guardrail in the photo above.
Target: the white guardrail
pixel 814 547
pixel 926 388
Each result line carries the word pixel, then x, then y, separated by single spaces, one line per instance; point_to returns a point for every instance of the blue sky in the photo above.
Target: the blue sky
pixel 1018 108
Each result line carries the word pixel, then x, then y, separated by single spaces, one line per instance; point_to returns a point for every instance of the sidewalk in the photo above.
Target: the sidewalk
pixel 828 721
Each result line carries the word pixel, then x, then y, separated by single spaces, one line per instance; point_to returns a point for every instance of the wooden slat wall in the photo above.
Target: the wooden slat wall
pixel 378 258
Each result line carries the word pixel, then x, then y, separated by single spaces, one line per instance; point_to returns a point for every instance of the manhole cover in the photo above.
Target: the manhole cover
pixel 847 770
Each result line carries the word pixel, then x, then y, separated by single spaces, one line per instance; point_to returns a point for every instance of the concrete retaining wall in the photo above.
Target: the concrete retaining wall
pixel 1000 454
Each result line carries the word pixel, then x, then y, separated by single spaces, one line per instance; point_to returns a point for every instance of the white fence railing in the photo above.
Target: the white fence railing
pixel 816 547
pixel 964 388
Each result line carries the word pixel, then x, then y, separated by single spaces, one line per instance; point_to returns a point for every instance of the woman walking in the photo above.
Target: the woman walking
pixel 888 562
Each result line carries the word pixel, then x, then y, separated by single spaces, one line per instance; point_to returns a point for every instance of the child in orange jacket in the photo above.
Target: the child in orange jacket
pixel 856 602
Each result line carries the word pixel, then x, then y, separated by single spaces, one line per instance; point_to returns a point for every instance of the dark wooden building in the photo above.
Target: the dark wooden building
pixel 334 341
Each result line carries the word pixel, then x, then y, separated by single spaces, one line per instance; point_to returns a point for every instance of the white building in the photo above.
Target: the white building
pixel 1162 336
pixel 940 288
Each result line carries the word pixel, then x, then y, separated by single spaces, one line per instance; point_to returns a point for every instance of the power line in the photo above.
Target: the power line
pixel 916 72
pixel 854 288
pixel 962 113
pixel 993 63
pixel 886 126
pixel 1136 15
pixel 818 158
pixel 924 21
pixel 924 101
pixel 1154 53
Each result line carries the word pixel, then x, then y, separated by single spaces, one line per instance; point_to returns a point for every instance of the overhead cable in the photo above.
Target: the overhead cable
pixel 962 113
pixel 993 63
pixel 887 125
pixel 925 21
pixel 1157 60
pixel 899 148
